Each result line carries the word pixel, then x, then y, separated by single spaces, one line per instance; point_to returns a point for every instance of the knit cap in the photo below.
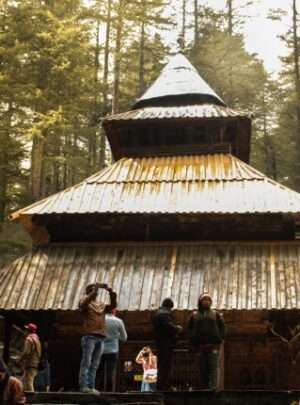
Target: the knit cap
pixel 204 295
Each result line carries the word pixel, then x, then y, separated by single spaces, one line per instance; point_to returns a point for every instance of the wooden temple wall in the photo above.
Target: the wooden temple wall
pixel 253 357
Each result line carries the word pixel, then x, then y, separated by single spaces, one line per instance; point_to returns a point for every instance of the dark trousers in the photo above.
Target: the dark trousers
pixel 208 361
pixel 108 367
pixel 164 365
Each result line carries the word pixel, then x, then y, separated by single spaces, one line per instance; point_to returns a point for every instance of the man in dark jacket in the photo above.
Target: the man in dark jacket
pixel 165 331
pixel 93 331
pixel 206 332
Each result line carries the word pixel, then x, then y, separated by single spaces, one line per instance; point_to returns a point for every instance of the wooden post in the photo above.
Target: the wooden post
pixel 7 338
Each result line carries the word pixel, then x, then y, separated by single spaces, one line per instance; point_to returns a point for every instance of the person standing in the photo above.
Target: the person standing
pixel 93 330
pixel 165 332
pixel 30 356
pixel 149 363
pixel 11 389
pixel 42 381
pixel 206 332
pixel 115 332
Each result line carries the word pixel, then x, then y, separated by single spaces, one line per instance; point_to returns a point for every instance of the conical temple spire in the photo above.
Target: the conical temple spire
pixel 179 83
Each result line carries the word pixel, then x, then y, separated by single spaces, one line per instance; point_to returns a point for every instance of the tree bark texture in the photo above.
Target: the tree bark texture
pixel 102 155
pixel 37 155
pixel 297 83
pixel 142 50
pixel 117 58
pixel 196 28
pixel 183 23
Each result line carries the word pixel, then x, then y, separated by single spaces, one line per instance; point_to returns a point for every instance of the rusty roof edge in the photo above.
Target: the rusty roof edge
pixel 266 178
pixel 16 214
pixel 124 115
pixel 171 243
pixel 253 175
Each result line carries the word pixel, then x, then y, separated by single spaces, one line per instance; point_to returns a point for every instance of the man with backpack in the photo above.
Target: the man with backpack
pixel 206 330
pixel 31 355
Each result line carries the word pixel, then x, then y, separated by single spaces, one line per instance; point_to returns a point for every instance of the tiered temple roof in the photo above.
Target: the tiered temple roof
pixel 241 275
pixel 166 185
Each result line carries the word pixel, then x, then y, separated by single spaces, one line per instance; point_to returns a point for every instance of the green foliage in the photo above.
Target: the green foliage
pixel 234 74
pixel 14 242
pixel 62 62
pixel 287 101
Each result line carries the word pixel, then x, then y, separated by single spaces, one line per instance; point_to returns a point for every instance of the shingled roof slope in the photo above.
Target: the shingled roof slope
pixel 239 275
pixel 201 184
pixel 203 111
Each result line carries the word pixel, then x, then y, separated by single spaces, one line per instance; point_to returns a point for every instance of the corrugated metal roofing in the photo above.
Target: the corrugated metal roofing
pixel 187 111
pixel 178 78
pixel 182 184
pixel 237 275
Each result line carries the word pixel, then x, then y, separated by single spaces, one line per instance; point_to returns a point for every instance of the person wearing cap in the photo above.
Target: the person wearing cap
pixel 165 332
pixel 11 389
pixel 93 331
pixel 206 330
pixel 30 357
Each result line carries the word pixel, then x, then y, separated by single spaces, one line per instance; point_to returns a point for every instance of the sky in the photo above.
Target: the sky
pixel 261 34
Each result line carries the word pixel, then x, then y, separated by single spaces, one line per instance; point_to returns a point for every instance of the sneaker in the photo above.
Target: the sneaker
pixel 85 390
pixel 94 391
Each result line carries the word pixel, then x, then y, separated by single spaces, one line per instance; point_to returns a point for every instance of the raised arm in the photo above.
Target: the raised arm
pixel 139 357
pixel 112 298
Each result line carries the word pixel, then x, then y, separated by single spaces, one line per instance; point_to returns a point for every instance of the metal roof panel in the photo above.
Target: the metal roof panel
pixel 179 77
pixel 239 275
pixel 183 184
pixel 206 111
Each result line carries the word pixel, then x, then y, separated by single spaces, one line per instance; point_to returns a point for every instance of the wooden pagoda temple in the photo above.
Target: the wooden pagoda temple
pixel 179 212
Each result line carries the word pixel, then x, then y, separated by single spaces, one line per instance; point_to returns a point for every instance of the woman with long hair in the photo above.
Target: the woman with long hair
pixel 149 363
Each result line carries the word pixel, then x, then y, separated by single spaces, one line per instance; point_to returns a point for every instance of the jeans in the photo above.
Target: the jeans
pixel 148 387
pixel 209 368
pixel 92 349
pixel 108 367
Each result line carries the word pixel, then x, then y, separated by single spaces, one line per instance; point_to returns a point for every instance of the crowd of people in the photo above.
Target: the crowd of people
pixel 102 330
pixel 206 332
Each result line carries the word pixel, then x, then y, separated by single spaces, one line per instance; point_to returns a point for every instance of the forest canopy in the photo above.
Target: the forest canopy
pixel 65 64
